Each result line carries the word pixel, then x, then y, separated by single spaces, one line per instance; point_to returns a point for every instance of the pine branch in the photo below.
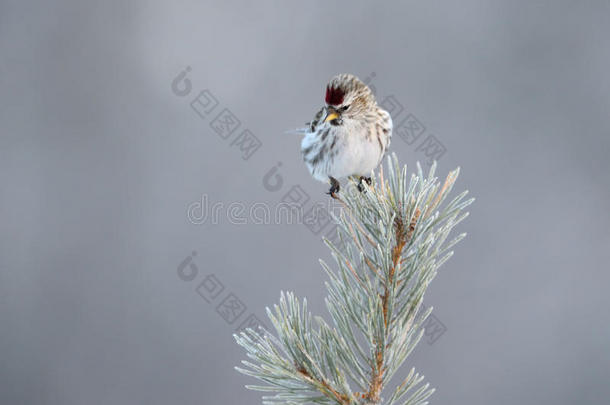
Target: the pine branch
pixel 393 240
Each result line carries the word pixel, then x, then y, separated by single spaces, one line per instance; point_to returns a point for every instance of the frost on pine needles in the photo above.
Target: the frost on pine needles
pixel 393 238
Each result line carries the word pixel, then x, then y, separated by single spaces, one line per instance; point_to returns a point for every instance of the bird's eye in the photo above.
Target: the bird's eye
pixel 344 108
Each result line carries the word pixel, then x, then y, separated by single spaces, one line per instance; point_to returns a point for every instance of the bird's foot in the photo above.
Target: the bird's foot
pixel 334 187
pixel 363 179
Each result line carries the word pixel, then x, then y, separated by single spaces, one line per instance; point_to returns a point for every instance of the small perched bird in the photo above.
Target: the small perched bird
pixel 348 136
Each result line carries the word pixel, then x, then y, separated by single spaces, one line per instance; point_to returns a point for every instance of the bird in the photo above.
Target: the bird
pixel 348 136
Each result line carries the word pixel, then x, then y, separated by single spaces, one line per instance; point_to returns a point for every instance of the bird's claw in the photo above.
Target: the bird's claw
pixel 362 179
pixel 334 187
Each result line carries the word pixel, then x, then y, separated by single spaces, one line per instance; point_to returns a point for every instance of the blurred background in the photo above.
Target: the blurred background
pixel 123 123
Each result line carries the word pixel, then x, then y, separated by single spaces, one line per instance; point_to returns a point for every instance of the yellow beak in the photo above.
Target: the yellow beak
pixel 331 116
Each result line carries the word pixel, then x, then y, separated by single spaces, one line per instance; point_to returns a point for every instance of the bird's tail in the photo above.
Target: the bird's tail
pixel 298 131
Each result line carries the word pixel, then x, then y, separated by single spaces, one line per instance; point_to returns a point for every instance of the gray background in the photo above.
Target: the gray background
pixel 99 160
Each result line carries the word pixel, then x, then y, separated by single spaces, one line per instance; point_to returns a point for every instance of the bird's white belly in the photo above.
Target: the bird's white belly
pixel 358 156
pixel 344 152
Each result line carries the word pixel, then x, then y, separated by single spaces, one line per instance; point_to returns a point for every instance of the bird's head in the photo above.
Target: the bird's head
pixel 347 97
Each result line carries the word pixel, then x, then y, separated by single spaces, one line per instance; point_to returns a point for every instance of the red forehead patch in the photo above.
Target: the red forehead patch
pixel 334 96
